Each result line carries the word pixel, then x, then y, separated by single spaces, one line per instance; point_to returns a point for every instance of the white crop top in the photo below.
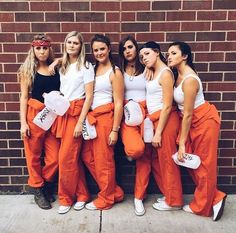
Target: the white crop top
pixel 103 93
pixel 179 94
pixel 135 87
pixel 154 93
pixel 73 81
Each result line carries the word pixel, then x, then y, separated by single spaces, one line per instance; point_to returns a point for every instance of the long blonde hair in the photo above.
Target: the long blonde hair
pixel 81 56
pixel 27 70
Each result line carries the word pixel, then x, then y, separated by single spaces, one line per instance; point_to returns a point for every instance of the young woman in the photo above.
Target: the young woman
pixel 159 99
pixel 135 90
pixel 199 132
pixel 106 114
pixel 77 80
pixel 35 78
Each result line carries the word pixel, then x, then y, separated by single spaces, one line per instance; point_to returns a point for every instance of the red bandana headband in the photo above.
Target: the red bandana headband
pixel 36 43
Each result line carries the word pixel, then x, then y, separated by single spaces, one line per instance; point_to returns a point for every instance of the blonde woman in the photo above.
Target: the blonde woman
pixel 35 78
pixel 77 80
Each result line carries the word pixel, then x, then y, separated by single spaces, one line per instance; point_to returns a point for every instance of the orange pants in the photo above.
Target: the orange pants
pixel 165 171
pixel 38 141
pixel 98 156
pixel 204 135
pixel 71 175
pixel 133 148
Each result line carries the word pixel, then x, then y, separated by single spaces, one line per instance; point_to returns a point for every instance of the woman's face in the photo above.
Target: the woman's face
pixel 174 56
pixel 148 57
pixel 41 53
pixel 100 51
pixel 73 46
pixel 129 52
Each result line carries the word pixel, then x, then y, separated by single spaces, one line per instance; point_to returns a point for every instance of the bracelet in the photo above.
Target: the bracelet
pixel 115 130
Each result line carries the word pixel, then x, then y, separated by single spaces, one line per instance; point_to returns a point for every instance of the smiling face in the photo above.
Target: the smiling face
pixel 148 57
pixel 100 51
pixel 175 56
pixel 41 53
pixel 129 52
pixel 73 46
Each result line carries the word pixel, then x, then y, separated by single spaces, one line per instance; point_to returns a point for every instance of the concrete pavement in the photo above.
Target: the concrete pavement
pixel 19 214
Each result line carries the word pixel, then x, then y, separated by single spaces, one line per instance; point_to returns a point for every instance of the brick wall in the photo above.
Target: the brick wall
pixel 207 25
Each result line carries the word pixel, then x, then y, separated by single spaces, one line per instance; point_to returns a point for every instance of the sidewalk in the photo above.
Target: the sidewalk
pixel 19 214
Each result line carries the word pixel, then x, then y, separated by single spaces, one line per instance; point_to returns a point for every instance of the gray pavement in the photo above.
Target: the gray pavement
pixel 19 214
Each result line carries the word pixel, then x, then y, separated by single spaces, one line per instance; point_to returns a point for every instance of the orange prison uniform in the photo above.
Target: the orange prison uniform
pixel 98 156
pixel 39 139
pixel 165 171
pixel 71 177
pixel 204 135
pixel 131 137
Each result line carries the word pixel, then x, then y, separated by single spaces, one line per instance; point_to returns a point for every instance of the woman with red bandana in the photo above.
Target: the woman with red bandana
pixel 35 77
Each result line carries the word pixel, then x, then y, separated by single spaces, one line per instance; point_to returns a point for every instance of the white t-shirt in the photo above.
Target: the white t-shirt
pixel 154 95
pixel 103 93
pixel 74 80
pixel 135 87
pixel 179 94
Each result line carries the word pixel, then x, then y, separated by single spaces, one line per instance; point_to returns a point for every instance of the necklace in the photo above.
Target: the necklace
pixel 131 76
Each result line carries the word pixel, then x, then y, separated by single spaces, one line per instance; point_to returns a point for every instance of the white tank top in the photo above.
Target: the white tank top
pixel 103 89
pixel 135 87
pixel 73 81
pixel 179 94
pixel 154 93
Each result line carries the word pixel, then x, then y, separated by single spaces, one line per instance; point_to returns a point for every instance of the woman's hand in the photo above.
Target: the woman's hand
pixel 181 153
pixel 148 73
pixel 25 130
pixel 156 141
pixel 113 137
pixel 78 129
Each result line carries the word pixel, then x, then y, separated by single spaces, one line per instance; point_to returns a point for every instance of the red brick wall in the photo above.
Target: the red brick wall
pixel 208 25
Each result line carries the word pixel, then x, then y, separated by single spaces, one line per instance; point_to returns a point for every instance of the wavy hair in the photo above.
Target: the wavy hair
pixel 27 70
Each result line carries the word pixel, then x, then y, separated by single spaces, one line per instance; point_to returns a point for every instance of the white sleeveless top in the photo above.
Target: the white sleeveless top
pixel 135 87
pixel 179 94
pixel 154 93
pixel 103 93
pixel 73 81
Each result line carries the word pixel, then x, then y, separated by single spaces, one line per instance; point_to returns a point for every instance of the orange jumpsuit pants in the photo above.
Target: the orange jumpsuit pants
pixel 72 180
pixel 204 135
pixel 133 148
pixel 98 157
pixel 166 173
pixel 34 145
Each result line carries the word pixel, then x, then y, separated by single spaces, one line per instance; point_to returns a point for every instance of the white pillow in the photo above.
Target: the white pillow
pixel 190 160
pixel 133 113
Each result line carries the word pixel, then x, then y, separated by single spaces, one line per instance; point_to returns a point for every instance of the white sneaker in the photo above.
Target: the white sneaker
pixel 218 209
pixel 187 209
pixel 160 199
pixel 79 205
pixel 164 206
pixel 138 206
pixel 63 209
pixel 90 206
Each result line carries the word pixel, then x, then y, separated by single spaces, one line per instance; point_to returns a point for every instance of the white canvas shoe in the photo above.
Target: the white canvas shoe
pixel 91 206
pixel 187 209
pixel 138 207
pixel 160 199
pixel 164 206
pixel 79 205
pixel 63 209
pixel 218 209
